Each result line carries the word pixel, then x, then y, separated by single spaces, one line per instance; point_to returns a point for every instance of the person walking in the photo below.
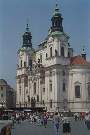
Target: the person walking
pixel 56 122
pixel 45 120
pixel 88 121
pixel 66 127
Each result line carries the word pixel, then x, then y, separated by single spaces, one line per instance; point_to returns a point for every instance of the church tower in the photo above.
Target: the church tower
pixel 27 37
pixel 56 20
pixel 24 66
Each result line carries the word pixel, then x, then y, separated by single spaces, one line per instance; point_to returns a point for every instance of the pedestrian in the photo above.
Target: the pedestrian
pixel 56 122
pixel 42 120
pixel 45 121
pixel 88 122
pixel 86 118
pixel 66 127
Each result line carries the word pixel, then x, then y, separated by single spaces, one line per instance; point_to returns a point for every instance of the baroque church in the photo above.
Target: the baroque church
pixel 51 76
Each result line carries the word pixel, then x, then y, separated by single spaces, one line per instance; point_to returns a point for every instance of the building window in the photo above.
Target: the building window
pixel 20 90
pixel 69 54
pixel 88 90
pixel 26 91
pixel 77 91
pixel 64 88
pixel 40 58
pixel 62 51
pixel 24 64
pixel 43 90
pixel 21 63
pixel 50 87
pixel 50 73
pixel 43 102
pixel 63 73
pixel 34 88
pixel 30 64
pixel 46 55
pixel 19 81
pixel 1 95
pixel 26 81
pixel 1 88
pixel 51 52
pixel 50 103
pixel 56 53
pixel 37 98
pixel 38 61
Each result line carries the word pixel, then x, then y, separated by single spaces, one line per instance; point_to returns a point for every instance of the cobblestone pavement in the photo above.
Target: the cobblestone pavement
pixel 26 128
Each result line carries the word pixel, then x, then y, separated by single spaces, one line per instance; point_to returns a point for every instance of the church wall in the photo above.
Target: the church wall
pixel 78 77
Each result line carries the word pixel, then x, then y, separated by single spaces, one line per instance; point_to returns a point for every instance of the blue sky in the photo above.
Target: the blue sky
pixel 13 18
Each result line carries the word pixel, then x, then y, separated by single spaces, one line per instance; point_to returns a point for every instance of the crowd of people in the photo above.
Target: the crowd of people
pixel 57 119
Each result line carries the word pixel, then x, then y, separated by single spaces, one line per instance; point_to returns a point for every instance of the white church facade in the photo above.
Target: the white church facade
pixel 52 76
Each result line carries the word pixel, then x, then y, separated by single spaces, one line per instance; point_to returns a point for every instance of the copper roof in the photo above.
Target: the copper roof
pixel 79 60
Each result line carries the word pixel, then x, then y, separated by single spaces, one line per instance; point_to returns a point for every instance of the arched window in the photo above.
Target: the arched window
pixel 51 52
pixel 21 63
pixel 77 91
pixel 62 51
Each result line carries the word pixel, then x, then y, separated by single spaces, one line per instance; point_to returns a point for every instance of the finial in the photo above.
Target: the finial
pixel 56 4
pixel 56 7
pixel 27 27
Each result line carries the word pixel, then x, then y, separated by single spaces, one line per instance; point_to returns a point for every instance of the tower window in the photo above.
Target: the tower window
pixel 62 51
pixel 51 52
pixel 30 64
pixel 77 91
pixel 21 63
